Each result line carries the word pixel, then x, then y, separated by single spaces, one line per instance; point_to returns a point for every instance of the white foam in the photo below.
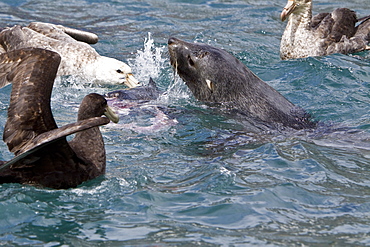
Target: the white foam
pixel 148 61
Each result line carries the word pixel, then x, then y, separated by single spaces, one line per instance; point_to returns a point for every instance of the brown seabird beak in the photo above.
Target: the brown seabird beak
pixel 288 9
pixel 109 113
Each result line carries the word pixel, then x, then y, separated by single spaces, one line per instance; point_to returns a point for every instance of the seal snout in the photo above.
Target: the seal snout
pixel 172 48
pixel 172 41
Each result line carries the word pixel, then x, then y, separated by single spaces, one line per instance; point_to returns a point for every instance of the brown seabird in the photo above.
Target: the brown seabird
pixel 43 155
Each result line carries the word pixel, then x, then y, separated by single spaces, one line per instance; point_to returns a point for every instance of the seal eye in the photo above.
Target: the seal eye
pixel 191 62
pixel 119 71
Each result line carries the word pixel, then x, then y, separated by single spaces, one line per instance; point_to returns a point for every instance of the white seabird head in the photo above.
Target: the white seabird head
pixel 295 6
pixel 112 71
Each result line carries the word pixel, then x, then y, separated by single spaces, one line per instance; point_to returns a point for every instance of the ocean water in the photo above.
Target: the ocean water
pixel 182 174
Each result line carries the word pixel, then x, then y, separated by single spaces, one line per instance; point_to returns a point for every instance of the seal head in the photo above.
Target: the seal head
pixel 214 75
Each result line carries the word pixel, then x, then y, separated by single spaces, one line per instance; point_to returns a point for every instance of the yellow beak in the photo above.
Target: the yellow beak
pixel 109 113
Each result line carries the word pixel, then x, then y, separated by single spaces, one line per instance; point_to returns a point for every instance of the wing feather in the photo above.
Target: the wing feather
pixel 32 72
pixel 63 33
pixel 52 136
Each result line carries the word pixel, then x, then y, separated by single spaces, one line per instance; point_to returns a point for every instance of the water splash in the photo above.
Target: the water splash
pixel 176 91
pixel 71 81
pixel 151 62
pixel 148 62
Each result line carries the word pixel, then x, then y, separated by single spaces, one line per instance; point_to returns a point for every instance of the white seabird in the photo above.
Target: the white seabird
pixel 322 34
pixel 78 57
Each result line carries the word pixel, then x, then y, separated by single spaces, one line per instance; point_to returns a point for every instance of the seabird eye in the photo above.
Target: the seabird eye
pixel 119 71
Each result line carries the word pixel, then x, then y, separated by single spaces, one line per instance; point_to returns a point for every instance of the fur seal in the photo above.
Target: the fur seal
pixel 213 75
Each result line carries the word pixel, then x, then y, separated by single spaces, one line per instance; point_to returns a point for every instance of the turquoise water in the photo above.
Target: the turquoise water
pixel 182 174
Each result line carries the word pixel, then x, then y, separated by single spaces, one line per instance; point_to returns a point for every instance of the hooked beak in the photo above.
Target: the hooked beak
pixel 288 9
pixel 109 113
pixel 131 81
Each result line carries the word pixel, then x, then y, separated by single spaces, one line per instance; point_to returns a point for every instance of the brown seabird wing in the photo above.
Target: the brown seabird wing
pixel 51 136
pixel 63 33
pixel 18 37
pixel 32 72
pixel 344 23
pixel 42 35
pixel 334 25
pixel 363 29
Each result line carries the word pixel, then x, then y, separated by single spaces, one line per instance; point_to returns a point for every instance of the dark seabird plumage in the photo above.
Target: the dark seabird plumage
pixel 78 57
pixel 43 155
pixel 323 34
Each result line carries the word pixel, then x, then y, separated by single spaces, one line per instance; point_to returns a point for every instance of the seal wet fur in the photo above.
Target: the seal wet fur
pixel 43 155
pixel 213 75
